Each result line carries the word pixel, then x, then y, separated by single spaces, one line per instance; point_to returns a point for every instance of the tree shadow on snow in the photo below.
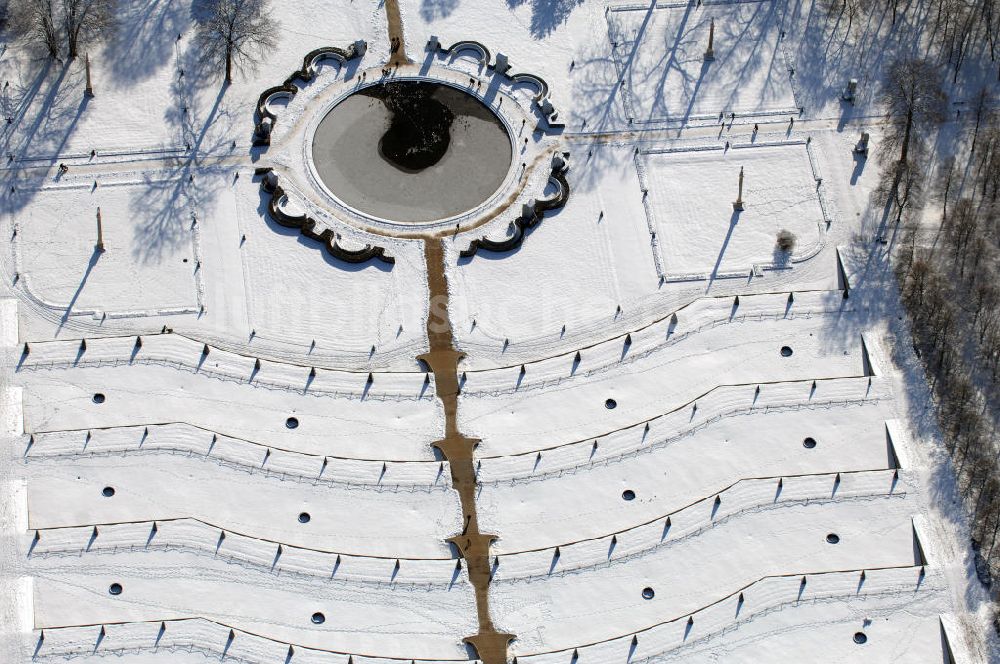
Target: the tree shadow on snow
pixel 45 113
pixel 146 39
pixel 547 15
pixel 187 189
pixel 835 48
pixel 432 10
pixel 732 39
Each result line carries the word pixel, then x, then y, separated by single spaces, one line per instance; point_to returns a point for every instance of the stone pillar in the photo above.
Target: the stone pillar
pixel 850 90
pixel 710 51
pixel 501 63
pixel 738 203
pixel 862 146
pixel 100 233
pixel 89 91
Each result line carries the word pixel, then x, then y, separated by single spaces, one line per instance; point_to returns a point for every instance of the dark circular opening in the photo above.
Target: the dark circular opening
pixel 628 494
pixel 809 443
pixel 108 491
pixel 786 351
pixel 860 637
pixel 833 538
pixel 318 618
pixel 98 398
pixel 304 517
pixel 419 130
pixel 412 151
pixel 115 589
pixel 647 593
pixel 292 422
pixel 610 404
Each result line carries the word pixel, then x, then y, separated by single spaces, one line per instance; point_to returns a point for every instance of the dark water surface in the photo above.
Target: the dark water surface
pixel 412 151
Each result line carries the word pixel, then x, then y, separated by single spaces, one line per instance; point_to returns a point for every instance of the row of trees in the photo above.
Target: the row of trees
pixel 959 24
pixel 949 26
pixel 62 24
pixel 949 277
pixel 946 31
pixel 231 35
pixel 913 98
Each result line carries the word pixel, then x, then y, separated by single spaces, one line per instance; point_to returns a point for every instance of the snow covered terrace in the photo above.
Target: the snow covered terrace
pixel 601 418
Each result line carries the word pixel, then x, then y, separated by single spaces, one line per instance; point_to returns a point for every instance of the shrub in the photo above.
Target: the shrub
pixel 786 240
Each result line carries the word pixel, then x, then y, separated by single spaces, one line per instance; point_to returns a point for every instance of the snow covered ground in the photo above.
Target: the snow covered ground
pixel 661 54
pixel 231 423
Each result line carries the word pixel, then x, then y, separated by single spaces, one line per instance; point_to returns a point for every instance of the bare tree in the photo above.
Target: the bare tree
pixel 988 323
pixel 852 8
pixel 901 187
pixel 991 25
pixel 947 175
pixel 988 169
pixel 917 283
pixel 982 107
pixel 234 33
pixel 979 250
pixel 957 39
pixel 962 226
pixel 985 296
pixel 37 21
pixel 991 351
pixel 914 102
pixel 85 20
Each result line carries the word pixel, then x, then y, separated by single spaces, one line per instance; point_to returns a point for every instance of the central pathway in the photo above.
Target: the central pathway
pixel 490 645
pixel 442 358
pixel 397 54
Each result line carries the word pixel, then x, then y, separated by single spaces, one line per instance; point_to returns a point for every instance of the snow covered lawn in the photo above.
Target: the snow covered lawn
pixel 151 256
pixel 702 236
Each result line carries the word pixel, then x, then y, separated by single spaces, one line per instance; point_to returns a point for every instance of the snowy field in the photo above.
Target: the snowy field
pixel 687 444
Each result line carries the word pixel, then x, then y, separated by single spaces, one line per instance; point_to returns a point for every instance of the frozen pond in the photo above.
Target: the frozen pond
pixel 412 151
